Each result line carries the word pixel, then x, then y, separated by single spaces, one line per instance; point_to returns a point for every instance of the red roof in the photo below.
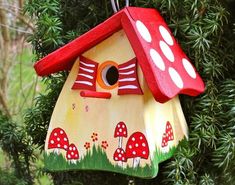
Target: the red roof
pixel 166 68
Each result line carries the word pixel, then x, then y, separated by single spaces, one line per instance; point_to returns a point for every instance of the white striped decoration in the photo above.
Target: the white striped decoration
pixel 128 78
pixel 86 78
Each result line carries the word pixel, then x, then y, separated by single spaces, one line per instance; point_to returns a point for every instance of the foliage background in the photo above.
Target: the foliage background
pixel 205 29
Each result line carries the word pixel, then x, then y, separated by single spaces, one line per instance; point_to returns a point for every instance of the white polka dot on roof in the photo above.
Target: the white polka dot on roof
pixel 143 30
pixel 167 51
pixel 166 35
pixel 176 78
pixel 189 68
pixel 157 59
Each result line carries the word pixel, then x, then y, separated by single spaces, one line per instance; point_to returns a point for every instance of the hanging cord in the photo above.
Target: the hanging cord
pixel 116 6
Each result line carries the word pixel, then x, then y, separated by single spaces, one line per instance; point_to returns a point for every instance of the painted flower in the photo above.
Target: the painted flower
pixel 94 137
pixel 104 145
pixel 87 145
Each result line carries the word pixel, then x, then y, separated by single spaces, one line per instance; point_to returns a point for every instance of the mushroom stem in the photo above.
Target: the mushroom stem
pixel 57 151
pixel 119 142
pixel 136 162
pixel 120 163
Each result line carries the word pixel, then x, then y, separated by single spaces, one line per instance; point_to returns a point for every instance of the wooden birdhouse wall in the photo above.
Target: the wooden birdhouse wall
pixel 81 117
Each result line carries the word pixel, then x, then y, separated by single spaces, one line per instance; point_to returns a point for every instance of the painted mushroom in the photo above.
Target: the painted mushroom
pixel 72 154
pixel 169 131
pixel 120 156
pixel 58 140
pixel 164 140
pixel 137 148
pixel 120 132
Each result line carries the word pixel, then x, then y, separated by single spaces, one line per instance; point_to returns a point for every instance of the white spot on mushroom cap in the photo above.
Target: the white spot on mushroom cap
pixel 116 158
pixel 167 51
pixel 124 132
pixel 176 78
pixel 157 59
pixel 52 142
pixel 65 139
pixel 123 126
pixel 58 139
pixel 120 130
pixel 72 153
pixel 118 150
pixel 58 145
pixel 74 148
pixel 143 144
pixel 123 158
pixel 133 139
pixel 143 30
pixel 119 155
pixel 130 146
pixel 55 134
pixel 70 148
pixel 144 152
pixel 166 35
pixel 61 132
pixel 65 146
pixel 134 152
pixel 69 156
pixel 118 125
pixel 189 68
pixel 136 145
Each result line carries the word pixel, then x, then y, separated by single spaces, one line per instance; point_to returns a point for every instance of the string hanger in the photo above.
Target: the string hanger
pixel 116 6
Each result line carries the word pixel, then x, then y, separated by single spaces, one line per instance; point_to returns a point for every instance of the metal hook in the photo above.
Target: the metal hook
pixel 116 6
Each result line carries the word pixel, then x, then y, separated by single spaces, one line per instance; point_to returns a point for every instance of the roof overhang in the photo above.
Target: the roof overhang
pixel 166 76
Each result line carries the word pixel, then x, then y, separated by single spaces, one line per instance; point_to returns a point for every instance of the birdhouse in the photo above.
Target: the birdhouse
pixel 119 108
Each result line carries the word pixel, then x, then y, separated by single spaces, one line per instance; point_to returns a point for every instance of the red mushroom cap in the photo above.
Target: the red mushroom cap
pixel 58 139
pixel 137 146
pixel 164 140
pixel 72 152
pixel 169 131
pixel 120 130
pixel 119 155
